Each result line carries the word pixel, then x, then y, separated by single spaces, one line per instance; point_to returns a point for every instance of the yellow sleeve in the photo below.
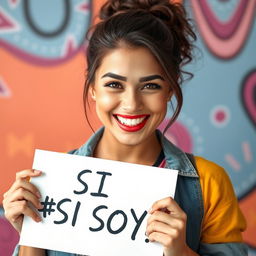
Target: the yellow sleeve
pixel 223 220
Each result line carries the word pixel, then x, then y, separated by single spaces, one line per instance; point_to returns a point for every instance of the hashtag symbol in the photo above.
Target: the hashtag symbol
pixel 47 206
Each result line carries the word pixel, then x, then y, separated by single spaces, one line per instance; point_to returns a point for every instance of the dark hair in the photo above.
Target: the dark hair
pixel 158 25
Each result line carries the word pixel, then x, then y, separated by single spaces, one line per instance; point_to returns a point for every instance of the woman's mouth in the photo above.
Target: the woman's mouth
pixel 131 123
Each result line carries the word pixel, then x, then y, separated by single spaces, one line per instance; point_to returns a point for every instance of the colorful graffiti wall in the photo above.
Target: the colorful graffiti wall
pixel 42 70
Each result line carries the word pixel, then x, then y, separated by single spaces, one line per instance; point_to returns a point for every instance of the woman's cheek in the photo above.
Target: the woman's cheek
pixel 107 102
pixel 157 104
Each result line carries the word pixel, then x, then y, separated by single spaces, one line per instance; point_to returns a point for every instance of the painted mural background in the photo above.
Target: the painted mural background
pixel 41 82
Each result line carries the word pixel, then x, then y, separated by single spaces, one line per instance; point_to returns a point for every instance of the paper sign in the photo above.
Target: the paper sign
pixel 95 207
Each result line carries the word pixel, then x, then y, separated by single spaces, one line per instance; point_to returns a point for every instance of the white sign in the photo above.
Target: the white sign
pixel 95 207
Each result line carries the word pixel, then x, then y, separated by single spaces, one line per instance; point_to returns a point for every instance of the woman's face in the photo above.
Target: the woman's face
pixel 131 94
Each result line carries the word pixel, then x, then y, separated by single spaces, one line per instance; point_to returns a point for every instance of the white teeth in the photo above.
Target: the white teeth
pixel 130 122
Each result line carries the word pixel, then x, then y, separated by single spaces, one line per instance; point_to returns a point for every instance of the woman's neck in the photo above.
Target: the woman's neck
pixel 144 153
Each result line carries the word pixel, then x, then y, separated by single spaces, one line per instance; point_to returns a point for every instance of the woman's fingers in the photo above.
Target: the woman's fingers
pixel 17 209
pixel 168 205
pixel 22 194
pixel 24 175
pixel 166 211
pixel 25 185
pixel 167 225
pixel 22 198
pixel 22 182
pixel 164 239
pixel 28 173
pixel 157 226
pixel 166 218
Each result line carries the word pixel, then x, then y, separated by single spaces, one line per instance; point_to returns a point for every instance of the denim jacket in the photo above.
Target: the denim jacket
pixel 188 195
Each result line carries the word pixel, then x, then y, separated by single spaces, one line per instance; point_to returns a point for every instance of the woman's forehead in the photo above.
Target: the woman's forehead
pixel 126 60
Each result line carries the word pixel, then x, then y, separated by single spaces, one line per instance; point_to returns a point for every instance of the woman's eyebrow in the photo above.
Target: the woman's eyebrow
pixel 142 79
pixel 149 78
pixel 112 75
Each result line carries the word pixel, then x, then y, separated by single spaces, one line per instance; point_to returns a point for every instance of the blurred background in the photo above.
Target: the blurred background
pixel 42 71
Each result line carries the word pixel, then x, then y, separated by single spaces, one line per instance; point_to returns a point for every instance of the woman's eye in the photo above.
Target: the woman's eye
pixel 114 85
pixel 151 86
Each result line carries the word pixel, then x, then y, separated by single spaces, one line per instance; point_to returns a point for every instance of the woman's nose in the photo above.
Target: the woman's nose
pixel 131 101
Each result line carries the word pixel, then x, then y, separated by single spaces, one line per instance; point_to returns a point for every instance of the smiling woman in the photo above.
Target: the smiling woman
pixel 131 94
pixel 135 57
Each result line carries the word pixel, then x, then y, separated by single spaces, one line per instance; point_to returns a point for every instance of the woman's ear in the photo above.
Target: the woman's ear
pixel 170 95
pixel 92 92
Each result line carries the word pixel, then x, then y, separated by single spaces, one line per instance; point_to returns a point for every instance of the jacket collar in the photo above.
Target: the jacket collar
pixel 175 158
pixel 88 148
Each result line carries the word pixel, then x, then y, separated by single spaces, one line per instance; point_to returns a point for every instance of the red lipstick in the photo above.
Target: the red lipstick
pixel 131 128
pixel 131 117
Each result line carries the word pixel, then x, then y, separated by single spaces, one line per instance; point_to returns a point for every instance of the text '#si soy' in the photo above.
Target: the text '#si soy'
pixel 50 206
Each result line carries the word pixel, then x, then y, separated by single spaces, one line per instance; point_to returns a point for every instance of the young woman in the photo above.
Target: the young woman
pixel 135 58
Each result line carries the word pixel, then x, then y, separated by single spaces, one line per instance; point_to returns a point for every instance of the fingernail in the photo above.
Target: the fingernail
pixel 150 210
pixel 38 194
pixel 37 171
pixel 40 206
pixel 38 219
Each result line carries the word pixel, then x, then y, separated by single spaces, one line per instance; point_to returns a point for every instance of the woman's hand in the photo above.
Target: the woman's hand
pixel 167 225
pixel 19 196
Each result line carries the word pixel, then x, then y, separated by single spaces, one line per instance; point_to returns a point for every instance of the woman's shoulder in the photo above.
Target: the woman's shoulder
pixel 208 170
pixel 215 182
pixel 220 204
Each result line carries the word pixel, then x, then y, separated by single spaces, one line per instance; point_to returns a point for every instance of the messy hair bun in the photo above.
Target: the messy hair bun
pixel 113 7
pixel 162 9
pixel 160 26
pixel 172 14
